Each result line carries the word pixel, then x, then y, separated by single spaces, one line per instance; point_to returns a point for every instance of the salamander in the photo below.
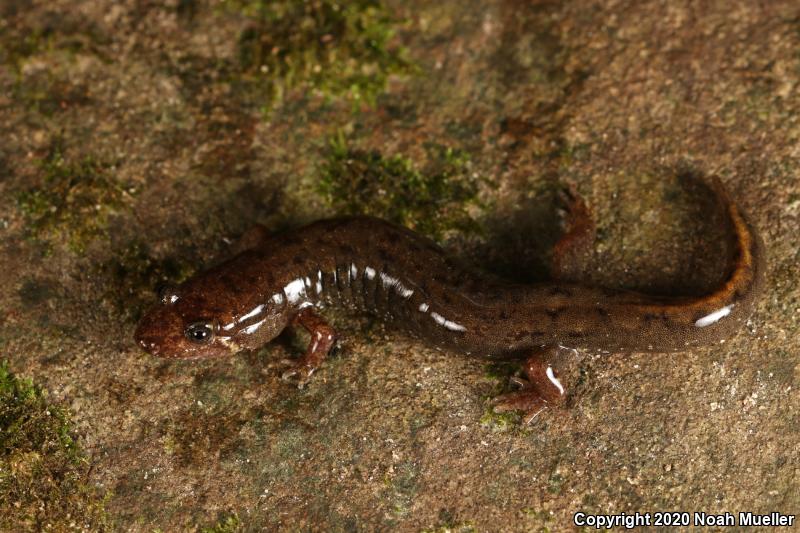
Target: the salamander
pixel 407 280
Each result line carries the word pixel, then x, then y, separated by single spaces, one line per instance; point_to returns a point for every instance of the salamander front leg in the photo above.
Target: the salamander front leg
pixel 323 337
pixel 255 237
pixel 542 389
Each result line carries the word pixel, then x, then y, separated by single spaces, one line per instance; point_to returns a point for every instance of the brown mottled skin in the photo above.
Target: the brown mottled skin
pixel 372 265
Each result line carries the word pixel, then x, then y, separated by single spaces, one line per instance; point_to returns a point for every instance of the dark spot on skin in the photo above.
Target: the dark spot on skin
pixel 227 280
pixel 432 247
pixel 575 334
pixel 553 313
pixel 346 249
pixel 560 291
pixel 697 317
pixel 451 264
pixel 503 314
pixel 649 317
pixel 385 255
pixel 290 239
pixel 233 284
pixel 520 335
pixel 446 298
pixel 737 254
pixel 241 289
pixel 602 312
pixel 298 260
pixel 478 286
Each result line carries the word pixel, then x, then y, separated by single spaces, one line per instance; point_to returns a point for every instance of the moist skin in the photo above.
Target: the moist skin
pixel 374 266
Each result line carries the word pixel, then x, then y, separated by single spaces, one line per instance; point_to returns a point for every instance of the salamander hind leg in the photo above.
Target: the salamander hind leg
pixel 323 337
pixel 574 251
pixel 541 389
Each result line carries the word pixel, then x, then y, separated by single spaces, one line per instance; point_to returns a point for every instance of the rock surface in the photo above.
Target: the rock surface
pixel 140 138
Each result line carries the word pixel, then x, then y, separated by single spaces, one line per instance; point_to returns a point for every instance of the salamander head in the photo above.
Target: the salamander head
pixel 206 321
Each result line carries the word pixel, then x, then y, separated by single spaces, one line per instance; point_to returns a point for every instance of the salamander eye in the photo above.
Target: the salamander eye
pixel 167 294
pixel 200 332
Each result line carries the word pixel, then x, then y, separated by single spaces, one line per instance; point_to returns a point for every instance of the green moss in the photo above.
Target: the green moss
pixel 334 48
pixel 43 472
pixel 47 89
pixel 555 483
pixel 226 524
pixel 449 524
pixel 46 93
pixel 540 520
pixel 432 200
pixel 461 527
pixel 72 34
pixel 501 370
pixel 15 48
pixel 74 202
pixel 42 90
pixel 402 487
pixel 499 422
pixel 541 515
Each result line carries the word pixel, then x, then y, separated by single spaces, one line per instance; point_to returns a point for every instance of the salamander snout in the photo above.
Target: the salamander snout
pixel 152 333
pixel 147 344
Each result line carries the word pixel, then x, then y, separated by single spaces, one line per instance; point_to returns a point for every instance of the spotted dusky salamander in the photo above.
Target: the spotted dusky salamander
pixel 406 279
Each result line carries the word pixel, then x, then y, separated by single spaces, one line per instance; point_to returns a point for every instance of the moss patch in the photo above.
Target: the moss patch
pixel 43 472
pixel 500 422
pixel 229 523
pixel 49 44
pixel 334 48
pixel 541 520
pixel 73 203
pixel 402 486
pixel 23 36
pixel 46 93
pixel 449 523
pixel 439 197
pixel 460 527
